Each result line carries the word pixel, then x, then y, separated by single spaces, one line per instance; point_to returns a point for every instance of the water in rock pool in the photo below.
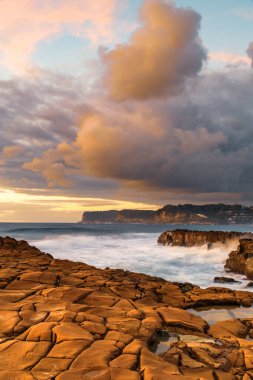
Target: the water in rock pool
pixel 131 247
pixel 212 315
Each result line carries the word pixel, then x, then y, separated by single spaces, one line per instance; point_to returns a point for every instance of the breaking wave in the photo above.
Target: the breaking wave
pixel 140 253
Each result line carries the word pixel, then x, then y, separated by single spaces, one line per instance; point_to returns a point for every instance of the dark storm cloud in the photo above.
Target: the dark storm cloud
pixel 41 109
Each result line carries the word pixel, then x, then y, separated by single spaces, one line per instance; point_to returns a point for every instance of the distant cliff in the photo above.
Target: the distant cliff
pixel 181 214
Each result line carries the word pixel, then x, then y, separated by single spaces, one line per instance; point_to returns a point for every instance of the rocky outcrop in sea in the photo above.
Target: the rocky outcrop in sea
pixel 241 260
pixel 189 238
pixel 66 320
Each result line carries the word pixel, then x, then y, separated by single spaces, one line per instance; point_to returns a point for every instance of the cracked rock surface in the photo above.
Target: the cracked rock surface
pixel 65 320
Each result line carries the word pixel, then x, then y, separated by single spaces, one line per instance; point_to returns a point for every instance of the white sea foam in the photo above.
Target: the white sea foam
pixel 140 253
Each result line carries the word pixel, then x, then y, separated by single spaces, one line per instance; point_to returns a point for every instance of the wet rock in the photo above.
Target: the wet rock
pixel 223 280
pixel 241 260
pixel 181 319
pixel 189 238
pixel 231 327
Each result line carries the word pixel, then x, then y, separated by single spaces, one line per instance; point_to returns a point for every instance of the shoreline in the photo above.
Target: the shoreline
pixel 68 320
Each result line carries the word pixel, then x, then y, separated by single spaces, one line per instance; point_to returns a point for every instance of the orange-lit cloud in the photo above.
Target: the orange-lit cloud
pixel 125 149
pixel 189 143
pixel 27 22
pixel 11 151
pixel 160 55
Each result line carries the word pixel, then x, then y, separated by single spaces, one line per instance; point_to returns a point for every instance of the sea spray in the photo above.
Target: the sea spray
pixel 140 253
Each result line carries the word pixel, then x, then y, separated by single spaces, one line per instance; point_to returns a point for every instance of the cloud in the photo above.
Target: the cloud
pixel 36 114
pixel 22 27
pixel 160 56
pixel 245 13
pixel 229 58
pixel 26 206
pixel 250 52
pixel 11 151
pixel 199 141
pixel 192 142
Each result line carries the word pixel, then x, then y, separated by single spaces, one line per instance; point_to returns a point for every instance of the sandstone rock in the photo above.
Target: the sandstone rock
pixel 177 318
pixel 241 260
pixel 189 238
pixel 71 331
pixel 86 374
pixel 8 321
pixel 16 375
pixel 99 354
pixel 52 366
pixel 231 327
pixel 68 349
pixel 39 332
pixel 124 374
pixel 17 356
pixel 128 361
pixel 149 361
pixel 66 320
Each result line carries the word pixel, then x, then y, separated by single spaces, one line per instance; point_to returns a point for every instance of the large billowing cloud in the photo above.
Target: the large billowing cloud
pixel 160 55
pixel 194 140
pixel 27 22
pixel 198 141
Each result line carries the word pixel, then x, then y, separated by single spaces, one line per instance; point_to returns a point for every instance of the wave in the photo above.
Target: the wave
pixel 140 253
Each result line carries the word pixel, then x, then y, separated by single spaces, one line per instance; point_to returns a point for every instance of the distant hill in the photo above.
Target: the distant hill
pixel 181 214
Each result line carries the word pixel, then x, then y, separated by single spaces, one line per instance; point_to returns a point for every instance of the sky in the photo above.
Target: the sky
pixel 112 104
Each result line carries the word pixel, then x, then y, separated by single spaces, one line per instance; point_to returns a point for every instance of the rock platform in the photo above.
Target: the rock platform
pixel 66 320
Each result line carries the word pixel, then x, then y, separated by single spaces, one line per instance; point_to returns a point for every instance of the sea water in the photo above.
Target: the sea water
pixel 131 247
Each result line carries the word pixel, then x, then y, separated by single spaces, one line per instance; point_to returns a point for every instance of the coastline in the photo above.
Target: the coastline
pixel 68 320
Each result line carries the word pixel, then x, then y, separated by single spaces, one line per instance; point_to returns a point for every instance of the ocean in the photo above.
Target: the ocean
pixel 131 247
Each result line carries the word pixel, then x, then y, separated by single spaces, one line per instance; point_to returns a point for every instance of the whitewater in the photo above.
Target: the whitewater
pixel 130 247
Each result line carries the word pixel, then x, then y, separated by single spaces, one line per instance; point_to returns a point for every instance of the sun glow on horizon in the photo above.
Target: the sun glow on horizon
pixel 48 207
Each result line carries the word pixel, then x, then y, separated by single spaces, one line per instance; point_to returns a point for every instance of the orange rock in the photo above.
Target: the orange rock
pixel 148 361
pixel 123 374
pixel 86 374
pixel 71 331
pixel 128 361
pixel 18 355
pixel 182 318
pixel 99 354
pixel 94 328
pixel 8 321
pixel 68 349
pixel 16 375
pixel 39 332
pixel 231 327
